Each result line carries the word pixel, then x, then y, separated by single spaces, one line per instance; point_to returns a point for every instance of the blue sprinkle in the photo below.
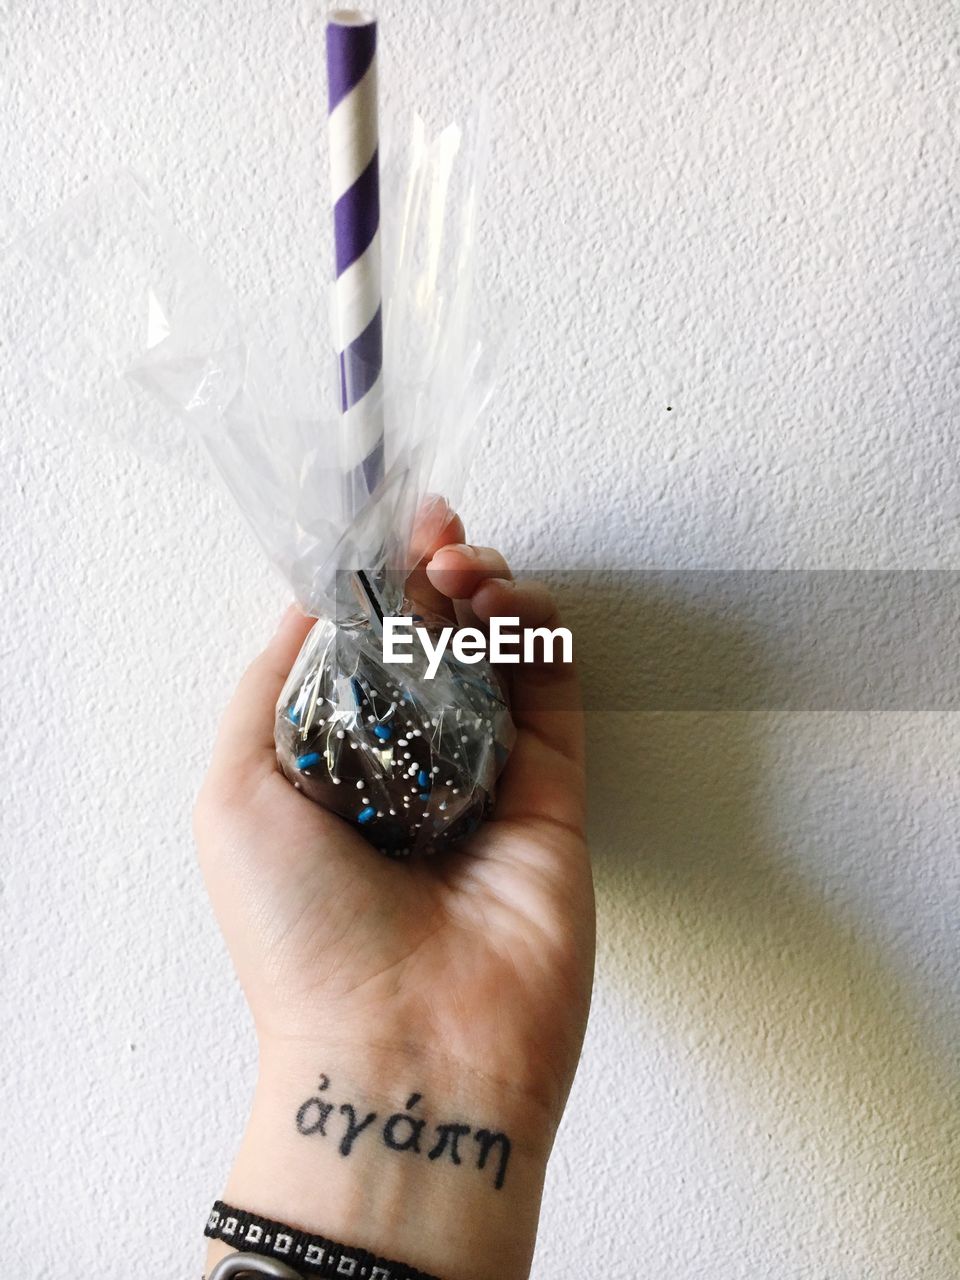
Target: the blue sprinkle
pixel 382 731
pixel 423 778
pixel 424 796
pixel 308 761
pixel 366 814
pixel 293 715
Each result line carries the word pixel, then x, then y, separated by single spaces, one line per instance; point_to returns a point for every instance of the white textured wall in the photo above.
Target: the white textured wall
pixel 740 209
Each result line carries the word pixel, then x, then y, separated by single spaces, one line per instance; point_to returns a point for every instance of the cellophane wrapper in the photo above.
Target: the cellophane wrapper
pixel 108 300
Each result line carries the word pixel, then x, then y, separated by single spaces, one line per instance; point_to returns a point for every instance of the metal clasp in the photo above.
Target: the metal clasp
pixel 252 1264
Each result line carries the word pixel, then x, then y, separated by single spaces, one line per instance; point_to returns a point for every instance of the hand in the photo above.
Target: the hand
pixel 464 978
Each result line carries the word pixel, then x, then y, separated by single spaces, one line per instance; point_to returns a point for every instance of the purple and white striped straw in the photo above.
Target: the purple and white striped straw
pixel 355 181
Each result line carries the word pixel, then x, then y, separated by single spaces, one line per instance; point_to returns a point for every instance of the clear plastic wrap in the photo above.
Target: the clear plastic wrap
pixel 268 414
pixel 113 289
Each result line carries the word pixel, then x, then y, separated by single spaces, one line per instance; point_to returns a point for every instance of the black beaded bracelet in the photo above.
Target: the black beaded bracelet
pixel 311 1255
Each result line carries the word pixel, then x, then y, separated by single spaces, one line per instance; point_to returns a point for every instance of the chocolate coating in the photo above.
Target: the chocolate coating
pixel 412 763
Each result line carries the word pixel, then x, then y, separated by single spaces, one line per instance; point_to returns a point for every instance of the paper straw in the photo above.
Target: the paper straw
pixel 354 177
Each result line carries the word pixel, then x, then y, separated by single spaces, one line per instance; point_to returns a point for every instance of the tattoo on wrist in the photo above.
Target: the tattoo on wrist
pixel 405 1130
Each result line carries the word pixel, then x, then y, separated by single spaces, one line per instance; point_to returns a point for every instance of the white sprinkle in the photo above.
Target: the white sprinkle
pixel 449 782
pixel 359 786
pixel 456 755
pixel 353 746
pixel 365 800
pixel 435 770
pixel 401 742
pixel 379 812
pixel 417 733
pixel 297 786
pixel 335 781
pixel 406 755
pixel 340 733
pixel 443 804
pixel 371 719
pixel 393 813
pixel 456 791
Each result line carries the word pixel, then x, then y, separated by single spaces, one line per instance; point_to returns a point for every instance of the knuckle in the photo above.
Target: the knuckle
pixel 538 606
pixel 492 559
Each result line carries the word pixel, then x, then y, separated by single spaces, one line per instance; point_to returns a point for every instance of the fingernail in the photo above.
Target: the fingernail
pixel 461 549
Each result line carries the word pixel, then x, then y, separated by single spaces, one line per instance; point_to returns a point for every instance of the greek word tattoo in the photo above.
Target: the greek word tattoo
pixel 448 1133
pixel 354 1130
pixel 404 1131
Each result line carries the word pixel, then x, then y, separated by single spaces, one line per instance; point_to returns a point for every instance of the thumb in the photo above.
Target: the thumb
pixel 545 776
pixel 244 748
pixel 545 695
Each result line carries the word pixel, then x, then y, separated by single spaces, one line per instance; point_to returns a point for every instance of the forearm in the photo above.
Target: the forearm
pixel 416 1161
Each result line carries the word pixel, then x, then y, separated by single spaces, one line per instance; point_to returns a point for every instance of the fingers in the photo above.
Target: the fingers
pixel 436 524
pixel 435 527
pixel 545 777
pixel 545 695
pixel 531 602
pixel 457 570
pixel 244 747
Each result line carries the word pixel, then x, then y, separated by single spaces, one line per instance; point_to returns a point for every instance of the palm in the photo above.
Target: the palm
pixel 497 929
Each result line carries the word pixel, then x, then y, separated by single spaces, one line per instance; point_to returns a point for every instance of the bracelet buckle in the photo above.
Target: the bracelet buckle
pixel 238 1265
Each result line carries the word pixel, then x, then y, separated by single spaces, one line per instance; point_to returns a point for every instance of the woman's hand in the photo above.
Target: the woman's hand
pixel 463 978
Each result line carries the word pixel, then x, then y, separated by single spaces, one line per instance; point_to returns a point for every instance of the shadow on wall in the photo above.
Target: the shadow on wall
pixel 777 1000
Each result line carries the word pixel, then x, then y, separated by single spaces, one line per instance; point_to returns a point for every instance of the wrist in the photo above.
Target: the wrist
pixel 408 1156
